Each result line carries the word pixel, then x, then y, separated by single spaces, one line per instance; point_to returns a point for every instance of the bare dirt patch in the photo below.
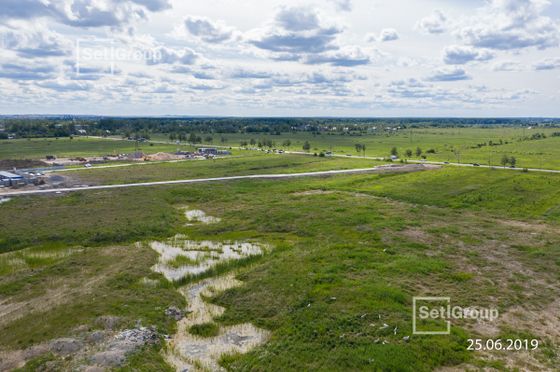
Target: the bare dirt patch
pixel 86 350
pixel 9 164
pixel 418 235
pixel 313 192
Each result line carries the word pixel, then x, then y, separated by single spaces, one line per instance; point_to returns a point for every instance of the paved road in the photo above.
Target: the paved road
pixel 197 180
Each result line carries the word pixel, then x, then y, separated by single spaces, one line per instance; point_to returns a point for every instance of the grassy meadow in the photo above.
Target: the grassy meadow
pixel 449 144
pixel 349 254
pixel 245 164
pixel 39 148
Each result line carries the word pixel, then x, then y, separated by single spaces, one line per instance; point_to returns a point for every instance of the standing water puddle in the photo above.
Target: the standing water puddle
pixel 180 258
pixel 190 351
pixel 196 215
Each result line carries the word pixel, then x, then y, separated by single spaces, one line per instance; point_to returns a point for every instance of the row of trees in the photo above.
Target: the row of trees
pixel 408 152
pixel 64 126
pixel 193 138
pixel 360 147
pixel 263 143
pixel 508 160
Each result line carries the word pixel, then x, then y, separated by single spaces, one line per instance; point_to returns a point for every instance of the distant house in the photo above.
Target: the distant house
pixel 136 155
pixel 8 179
pixel 183 153
pixel 208 151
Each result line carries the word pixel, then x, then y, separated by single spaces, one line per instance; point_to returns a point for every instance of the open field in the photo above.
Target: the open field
pixel 349 252
pixel 279 186
pixel 449 144
pixel 538 153
pixel 79 146
pixel 246 164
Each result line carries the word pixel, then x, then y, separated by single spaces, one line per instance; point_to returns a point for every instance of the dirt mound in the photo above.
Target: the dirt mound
pixel 91 351
pixel 161 156
pixel 124 343
pixel 9 164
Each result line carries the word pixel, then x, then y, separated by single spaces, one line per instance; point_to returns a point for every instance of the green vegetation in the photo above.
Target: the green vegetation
pixel 483 145
pixel 345 262
pixel 531 146
pixel 349 253
pixel 69 220
pixel 182 261
pixel 205 330
pixel 250 163
pixel 39 148
pixel 62 293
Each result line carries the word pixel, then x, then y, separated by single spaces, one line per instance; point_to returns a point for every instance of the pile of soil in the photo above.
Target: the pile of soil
pixel 9 164
pixel 162 156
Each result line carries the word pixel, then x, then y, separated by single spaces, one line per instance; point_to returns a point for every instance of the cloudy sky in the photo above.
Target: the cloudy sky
pixel 291 58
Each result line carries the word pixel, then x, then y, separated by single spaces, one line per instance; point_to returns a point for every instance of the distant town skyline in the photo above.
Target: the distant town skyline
pixel 338 58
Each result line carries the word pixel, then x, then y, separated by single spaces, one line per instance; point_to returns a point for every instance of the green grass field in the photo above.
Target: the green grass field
pixel 244 164
pixel 349 254
pixel 79 146
pixel 450 144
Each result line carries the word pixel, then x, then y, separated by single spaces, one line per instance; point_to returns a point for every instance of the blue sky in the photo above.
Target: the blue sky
pixel 280 58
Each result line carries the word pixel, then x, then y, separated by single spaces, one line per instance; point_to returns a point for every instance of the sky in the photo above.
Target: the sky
pixel 363 58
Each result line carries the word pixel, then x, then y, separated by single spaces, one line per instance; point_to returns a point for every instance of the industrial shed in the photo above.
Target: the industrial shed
pixel 8 179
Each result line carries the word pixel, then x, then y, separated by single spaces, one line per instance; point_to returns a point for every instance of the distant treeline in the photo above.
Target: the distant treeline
pixel 143 127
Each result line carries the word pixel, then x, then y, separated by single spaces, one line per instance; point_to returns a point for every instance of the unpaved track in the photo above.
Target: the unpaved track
pixel 409 167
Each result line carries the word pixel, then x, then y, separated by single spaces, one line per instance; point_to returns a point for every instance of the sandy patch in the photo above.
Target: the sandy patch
pixel 189 351
pixel 417 235
pixel 313 192
pixel 527 226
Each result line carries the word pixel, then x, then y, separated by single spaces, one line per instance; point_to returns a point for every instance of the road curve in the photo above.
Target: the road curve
pixel 196 180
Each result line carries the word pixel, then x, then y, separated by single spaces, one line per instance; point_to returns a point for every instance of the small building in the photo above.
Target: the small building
pixel 9 179
pixel 208 151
